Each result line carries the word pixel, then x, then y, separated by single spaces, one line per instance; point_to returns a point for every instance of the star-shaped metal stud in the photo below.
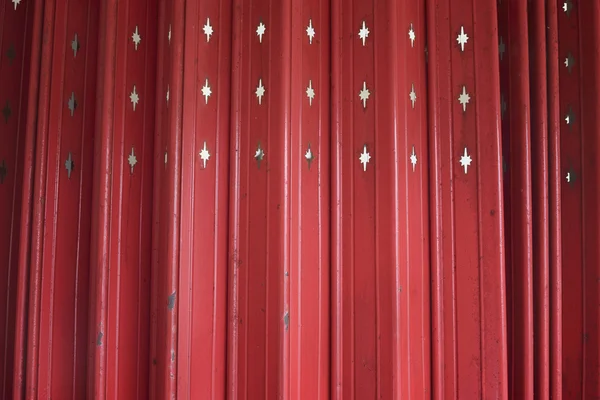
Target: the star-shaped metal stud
pixel 16 3
pixel 6 111
pixel 570 117
pixel 259 155
pixel 136 37
pixel 567 7
pixel 365 157
pixel 208 30
pixel 413 158
pixel 3 171
pixel 132 160
pixel 310 31
pixel 364 94
pixel 260 91
pixel 260 31
pixel 75 45
pixel 501 48
pixel 502 106
pixel 134 97
pixel 206 92
pixel 169 34
pixel 464 98
pixel 413 95
pixel 411 35
pixel 204 155
pixel 465 160
pixel 462 38
pixel 571 176
pixel 309 156
pixel 569 62
pixel 69 165
pixel 310 92
pixel 10 53
pixel 72 104
pixel 363 33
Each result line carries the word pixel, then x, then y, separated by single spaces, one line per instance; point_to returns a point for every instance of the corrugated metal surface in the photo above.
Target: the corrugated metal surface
pixel 15 169
pixel 208 199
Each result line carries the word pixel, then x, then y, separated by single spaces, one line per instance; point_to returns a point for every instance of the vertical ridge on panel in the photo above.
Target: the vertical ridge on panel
pixel 30 165
pixel 589 42
pixel 414 158
pixel 101 203
pixel 158 311
pixel 470 332
pixel 170 214
pixel 354 208
pixel 121 305
pixel 308 274
pixel 518 167
pixel 380 233
pixel 540 177
pixel 443 271
pixel 204 188
pixel 555 180
pixel 389 273
pixel 394 87
pixel 16 35
pixel 63 320
pixel 258 204
pixel 494 374
pixel 571 200
pixel 30 310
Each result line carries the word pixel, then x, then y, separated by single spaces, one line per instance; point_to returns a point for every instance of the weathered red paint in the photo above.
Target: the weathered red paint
pixel 299 274
pixel 15 170
pixel 259 208
pixel 468 266
pixel 123 205
pixel 202 299
pixel 380 332
pixel 589 37
pixel 516 116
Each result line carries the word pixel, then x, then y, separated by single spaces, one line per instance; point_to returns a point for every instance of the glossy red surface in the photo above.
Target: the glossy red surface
pixel 299 199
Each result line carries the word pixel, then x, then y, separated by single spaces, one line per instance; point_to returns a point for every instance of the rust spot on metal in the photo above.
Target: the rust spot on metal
pixel 171 302
pixel 286 320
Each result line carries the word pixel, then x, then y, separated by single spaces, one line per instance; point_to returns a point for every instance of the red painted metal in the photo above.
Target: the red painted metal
pixel 15 168
pixel 380 309
pixel 516 116
pixel 60 246
pixel 122 204
pixel 158 311
pixel 307 277
pixel 572 201
pixel 470 353
pixel 259 200
pixel 589 37
pixel 408 210
pixel 202 299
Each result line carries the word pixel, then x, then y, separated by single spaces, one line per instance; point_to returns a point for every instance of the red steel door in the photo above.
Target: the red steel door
pixel 299 199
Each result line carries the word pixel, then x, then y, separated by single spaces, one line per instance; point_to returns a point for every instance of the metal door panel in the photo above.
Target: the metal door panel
pixel 119 316
pixel 307 278
pixel 468 267
pixel 379 222
pixel 58 307
pixel 15 60
pixel 204 209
